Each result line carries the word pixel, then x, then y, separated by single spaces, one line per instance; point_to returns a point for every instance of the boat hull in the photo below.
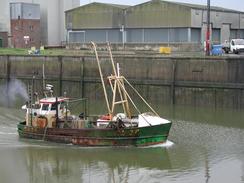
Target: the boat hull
pixel 143 136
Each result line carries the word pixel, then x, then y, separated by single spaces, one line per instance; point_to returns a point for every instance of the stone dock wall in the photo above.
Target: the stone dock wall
pixel 197 81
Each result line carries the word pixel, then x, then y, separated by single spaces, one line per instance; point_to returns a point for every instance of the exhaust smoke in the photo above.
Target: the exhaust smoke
pixel 13 91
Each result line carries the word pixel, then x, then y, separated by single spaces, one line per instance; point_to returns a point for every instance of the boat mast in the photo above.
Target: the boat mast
pixel 101 76
pixel 43 80
pixel 117 84
pixel 118 81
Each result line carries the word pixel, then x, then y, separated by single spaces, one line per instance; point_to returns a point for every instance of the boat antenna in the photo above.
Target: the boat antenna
pixel 43 80
pixel 31 100
pixel 101 76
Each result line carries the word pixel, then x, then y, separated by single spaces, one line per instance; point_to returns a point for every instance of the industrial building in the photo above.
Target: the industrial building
pixel 25 25
pixel 52 18
pixel 156 21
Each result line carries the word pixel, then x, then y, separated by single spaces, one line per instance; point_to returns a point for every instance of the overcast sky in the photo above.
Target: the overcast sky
pixel 231 4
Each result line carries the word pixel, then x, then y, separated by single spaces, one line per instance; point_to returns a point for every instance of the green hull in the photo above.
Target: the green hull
pixel 99 137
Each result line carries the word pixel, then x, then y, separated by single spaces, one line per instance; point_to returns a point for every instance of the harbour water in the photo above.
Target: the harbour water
pixel 205 145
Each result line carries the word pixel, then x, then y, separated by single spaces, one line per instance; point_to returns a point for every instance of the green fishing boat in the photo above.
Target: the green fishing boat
pixel 50 119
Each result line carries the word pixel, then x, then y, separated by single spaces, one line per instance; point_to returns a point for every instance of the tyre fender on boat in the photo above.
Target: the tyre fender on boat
pixel 42 121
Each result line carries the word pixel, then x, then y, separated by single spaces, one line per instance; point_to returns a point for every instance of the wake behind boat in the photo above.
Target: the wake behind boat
pixel 50 119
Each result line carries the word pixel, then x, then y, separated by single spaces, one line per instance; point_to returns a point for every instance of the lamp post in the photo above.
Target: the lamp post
pixel 208 30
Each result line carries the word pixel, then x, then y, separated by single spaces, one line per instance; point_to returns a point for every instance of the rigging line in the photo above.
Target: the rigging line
pixel 123 88
pixel 77 100
pixel 140 96
pixel 74 105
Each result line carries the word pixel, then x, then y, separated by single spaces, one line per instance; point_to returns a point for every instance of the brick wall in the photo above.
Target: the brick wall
pixel 23 27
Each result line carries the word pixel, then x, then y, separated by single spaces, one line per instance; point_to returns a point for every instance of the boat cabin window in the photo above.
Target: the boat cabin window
pixel 45 107
pixel 53 107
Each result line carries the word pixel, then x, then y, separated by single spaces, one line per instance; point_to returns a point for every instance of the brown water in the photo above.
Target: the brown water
pixel 205 145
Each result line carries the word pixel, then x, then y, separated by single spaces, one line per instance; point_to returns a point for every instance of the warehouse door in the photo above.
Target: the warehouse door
pixel 1 42
pixel 225 33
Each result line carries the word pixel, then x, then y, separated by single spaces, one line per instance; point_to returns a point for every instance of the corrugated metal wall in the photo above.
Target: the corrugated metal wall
pixel 233 33
pixel 148 15
pixel 242 34
pixel 95 15
pixel 31 11
pixel 114 36
pixel 155 21
pixel 24 11
pixel 173 35
pixel 196 35
pixel 15 11
pixel 158 14
pixel 178 35
pixel 76 37
pixel 99 36
pixel 157 35
pixel 134 35
pixel 96 35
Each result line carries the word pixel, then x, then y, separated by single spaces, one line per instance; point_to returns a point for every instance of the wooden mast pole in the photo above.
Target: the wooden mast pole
pixel 123 97
pixel 101 76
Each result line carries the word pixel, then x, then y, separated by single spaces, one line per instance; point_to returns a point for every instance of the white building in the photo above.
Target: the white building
pixel 52 18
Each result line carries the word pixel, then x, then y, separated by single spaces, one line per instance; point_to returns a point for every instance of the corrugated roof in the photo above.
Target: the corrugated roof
pixel 116 5
pixel 195 6
pixel 105 4
pixel 198 6
pixel 189 5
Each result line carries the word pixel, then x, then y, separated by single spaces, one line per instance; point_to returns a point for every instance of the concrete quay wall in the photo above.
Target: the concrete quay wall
pixel 197 81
